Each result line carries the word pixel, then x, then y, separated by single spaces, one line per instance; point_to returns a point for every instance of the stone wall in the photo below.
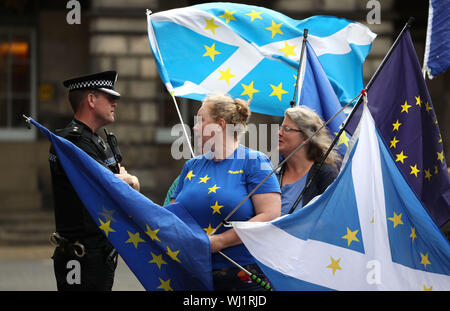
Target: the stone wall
pixel 118 40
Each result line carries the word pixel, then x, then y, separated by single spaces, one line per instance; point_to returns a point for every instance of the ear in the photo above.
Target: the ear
pixel 91 98
pixel 222 123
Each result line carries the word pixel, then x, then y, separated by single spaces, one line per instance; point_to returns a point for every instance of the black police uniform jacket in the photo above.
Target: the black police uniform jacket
pixel 72 219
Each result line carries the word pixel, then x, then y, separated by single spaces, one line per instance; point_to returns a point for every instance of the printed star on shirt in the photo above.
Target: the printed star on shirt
pixel 208 230
pixel 213 189
pixel 189 175
pixel 216 207
pixel 204 179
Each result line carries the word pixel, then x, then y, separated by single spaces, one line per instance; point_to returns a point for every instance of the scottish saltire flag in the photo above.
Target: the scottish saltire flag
pixel 437 46
pixel 164 248
pixel 367 231
pixel 252 53
pixel 401 107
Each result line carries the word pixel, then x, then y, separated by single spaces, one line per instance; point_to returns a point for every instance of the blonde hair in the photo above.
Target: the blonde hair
pixel 233 111
pixel 308 121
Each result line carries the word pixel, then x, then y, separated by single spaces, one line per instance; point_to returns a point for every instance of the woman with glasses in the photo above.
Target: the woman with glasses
pixel 298 125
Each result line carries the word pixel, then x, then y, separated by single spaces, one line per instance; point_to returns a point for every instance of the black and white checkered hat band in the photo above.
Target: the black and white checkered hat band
pixel 93 84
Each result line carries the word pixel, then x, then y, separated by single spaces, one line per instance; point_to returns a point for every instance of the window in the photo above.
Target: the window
pixel 17 82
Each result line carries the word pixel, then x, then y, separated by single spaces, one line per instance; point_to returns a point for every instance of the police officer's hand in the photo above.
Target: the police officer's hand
pixel 128 178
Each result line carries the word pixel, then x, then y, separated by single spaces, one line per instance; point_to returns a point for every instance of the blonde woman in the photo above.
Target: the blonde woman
pixel 214 183
pixel 298 125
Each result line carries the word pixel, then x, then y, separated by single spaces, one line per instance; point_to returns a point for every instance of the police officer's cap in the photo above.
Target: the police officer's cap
pixel 103 81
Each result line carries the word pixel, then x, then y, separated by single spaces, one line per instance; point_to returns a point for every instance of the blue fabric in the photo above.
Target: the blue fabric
pixel 165 250
pixel 399 96
pixel 179 37
pixel 388 221
pixel 438 39
pixel 317 94
pixel 225 183
pixel 290 193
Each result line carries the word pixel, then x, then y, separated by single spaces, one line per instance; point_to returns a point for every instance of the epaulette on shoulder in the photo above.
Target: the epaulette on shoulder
pixel 72 131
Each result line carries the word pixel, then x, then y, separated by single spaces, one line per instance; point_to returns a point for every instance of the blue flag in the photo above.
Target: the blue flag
pixel 437 46
pixel 401 107
pixel 163 247
pixel 367 231
pixel 316 92
pixel 252 53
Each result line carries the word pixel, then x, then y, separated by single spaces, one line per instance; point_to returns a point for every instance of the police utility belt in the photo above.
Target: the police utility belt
pixel 77 248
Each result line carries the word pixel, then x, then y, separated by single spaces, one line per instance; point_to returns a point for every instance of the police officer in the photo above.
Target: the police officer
pixel 84 259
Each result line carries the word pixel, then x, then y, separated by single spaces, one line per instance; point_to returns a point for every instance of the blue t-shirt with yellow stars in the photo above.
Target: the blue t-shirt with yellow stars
pixel 211 189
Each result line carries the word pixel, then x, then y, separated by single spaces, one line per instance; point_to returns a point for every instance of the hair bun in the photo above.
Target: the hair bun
pixel 242 109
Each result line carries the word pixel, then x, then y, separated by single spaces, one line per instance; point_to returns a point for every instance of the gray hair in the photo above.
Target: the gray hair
pixel 308 121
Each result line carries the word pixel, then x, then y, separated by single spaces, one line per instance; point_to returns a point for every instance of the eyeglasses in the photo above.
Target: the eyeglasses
pixel 287 129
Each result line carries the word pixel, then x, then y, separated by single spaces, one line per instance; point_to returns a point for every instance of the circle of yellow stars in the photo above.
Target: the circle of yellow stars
pixel 400 155
pixel 135 238
pixel 216 207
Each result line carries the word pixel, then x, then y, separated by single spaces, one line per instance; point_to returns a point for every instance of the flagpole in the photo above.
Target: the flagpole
pixel 355 108
pixel 302 54
pixel 300 146
pixel 182 124
pixel 254 277
pixel 425 68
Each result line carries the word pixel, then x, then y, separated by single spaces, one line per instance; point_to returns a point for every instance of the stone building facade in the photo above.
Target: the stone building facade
pixel 112 34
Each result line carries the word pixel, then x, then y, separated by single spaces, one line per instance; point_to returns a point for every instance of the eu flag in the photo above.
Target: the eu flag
pixel 401 107
pixel 163 246
pixel 437 46
pixel 367 231
pixel 252 52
